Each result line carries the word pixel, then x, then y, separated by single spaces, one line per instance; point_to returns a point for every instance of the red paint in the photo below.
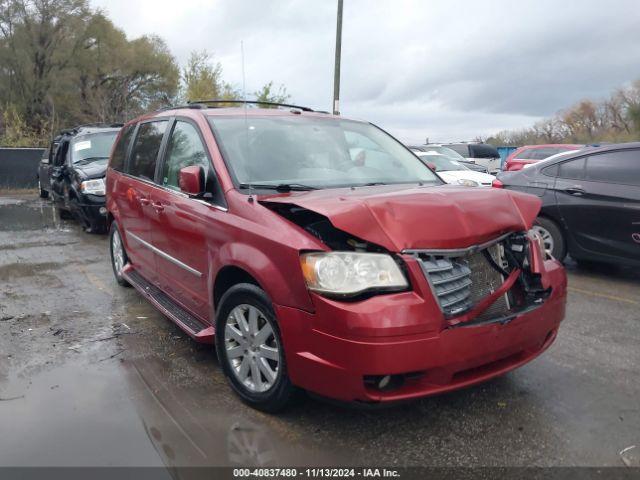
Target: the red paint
pixel 331 345
pixel 190 180
pixel 513 164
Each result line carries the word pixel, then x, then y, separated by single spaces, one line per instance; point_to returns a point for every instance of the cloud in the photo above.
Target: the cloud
pixel 445 69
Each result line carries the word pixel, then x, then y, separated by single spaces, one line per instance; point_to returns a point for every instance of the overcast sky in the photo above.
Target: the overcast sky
pixel 447 70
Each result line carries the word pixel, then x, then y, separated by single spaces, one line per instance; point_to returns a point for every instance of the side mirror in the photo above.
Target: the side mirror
pixel 191 180
pixel 431 165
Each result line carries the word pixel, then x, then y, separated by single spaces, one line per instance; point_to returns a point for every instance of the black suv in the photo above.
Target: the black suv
pixel 76 169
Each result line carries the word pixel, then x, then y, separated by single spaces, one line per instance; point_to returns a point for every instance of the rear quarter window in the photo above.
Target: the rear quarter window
pixel 119 155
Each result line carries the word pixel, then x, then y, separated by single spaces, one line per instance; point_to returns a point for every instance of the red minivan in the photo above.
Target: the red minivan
pixel 319 253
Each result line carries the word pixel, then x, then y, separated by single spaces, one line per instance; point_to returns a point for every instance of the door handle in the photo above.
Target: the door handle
pixel 144 201
pixel 158 207
pixel 576 191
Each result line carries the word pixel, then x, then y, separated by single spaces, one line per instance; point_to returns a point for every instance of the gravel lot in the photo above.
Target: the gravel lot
pixel 91 374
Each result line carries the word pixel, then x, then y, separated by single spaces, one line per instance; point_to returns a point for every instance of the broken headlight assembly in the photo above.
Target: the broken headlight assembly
pixel 93 187
pixel 347 274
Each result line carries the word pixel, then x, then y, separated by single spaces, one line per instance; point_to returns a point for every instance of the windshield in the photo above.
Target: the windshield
pixel 311 152
pixel 446 151
pixel 442 163
pixel 92 147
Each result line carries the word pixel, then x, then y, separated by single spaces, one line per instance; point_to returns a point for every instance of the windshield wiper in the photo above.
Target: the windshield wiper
pixel 282 187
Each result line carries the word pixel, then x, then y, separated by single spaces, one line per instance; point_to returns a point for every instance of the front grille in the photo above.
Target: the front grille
pixel 460 282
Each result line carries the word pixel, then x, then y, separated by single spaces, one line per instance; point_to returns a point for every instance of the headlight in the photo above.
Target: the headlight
pixel 350 273
pixel 94 187
pixel 468 183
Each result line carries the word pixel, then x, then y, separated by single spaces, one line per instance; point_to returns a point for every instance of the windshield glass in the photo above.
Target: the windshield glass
pixel 92 147
pixel 446 151
pixel 314 152
pixel 442 163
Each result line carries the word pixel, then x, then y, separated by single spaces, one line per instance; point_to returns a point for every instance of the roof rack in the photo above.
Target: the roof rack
pixel 215 102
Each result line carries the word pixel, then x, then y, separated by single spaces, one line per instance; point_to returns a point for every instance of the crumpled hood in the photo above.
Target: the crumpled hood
pixel 412 217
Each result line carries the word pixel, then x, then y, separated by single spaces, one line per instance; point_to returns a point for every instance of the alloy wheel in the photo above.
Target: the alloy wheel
pixel 251 348
pixel 117 252
pixel 547 238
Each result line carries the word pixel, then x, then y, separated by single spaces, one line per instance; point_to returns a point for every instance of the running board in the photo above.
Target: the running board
pixel 187 322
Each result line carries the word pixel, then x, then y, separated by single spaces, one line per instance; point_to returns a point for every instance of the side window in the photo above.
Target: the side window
pixel 615 167
pixel 146 148
pixel 526 153
pixel 120 150
pixel 61 154
pixel 573 169
pixel 461 149
pixel 184 150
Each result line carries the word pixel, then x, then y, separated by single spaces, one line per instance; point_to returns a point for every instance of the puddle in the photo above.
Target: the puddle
pixel 20 215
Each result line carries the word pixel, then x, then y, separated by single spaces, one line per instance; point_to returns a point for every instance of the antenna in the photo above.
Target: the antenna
pixel 246 122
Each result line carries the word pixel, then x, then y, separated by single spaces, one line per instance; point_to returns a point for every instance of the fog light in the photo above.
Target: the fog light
pixel 384 382
pixel 103 211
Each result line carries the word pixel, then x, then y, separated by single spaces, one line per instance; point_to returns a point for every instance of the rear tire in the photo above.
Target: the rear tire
pixel 119 257
pixel 552 237
pixel 250 349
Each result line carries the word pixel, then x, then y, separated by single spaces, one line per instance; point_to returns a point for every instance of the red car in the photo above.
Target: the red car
pixel 319 253
pixel 534 153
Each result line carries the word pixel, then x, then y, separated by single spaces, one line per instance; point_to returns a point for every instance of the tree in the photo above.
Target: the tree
pixel 269 94
pixel 202 79
pixel 39 38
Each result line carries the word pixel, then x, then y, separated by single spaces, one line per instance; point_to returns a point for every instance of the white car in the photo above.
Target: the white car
pixel 454 172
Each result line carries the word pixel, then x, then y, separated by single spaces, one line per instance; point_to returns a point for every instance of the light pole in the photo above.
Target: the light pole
pixel 336 69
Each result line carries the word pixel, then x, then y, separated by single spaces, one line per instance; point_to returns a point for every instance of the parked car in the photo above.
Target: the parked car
pixel 590 202
pixel 534 153
pixel 76 171
pixel 43 175
pixel 452 171
pixel 452 154
pixel 319 253
pixel 479 153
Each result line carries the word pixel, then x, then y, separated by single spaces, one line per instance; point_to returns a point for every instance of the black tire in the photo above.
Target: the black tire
pixel 282 392
pixel 117 274
pixel 43 193
pixel 559 250
pixel 64 214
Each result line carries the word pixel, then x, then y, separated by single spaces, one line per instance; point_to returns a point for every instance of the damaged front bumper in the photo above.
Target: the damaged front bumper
pixel 341 349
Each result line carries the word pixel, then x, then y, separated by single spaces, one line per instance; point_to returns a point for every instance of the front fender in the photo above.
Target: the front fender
pixel 278 273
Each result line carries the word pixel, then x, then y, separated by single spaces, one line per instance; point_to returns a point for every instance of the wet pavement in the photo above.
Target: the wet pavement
pixel 91 374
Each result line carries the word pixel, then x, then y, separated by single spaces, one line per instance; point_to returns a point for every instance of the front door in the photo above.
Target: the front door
pixel 183 226
pixel 136 208
pixel 598 197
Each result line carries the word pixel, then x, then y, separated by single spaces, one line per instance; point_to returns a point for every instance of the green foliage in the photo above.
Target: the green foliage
pixel 16 133
pixel 202 79
pixel 63 63
pixel 66 64
pixel 269 94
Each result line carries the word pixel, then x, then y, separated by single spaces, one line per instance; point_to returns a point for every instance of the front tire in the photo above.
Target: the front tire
pixel 250 349
pixel 43 192
pixel 119 257
pixel 552 237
